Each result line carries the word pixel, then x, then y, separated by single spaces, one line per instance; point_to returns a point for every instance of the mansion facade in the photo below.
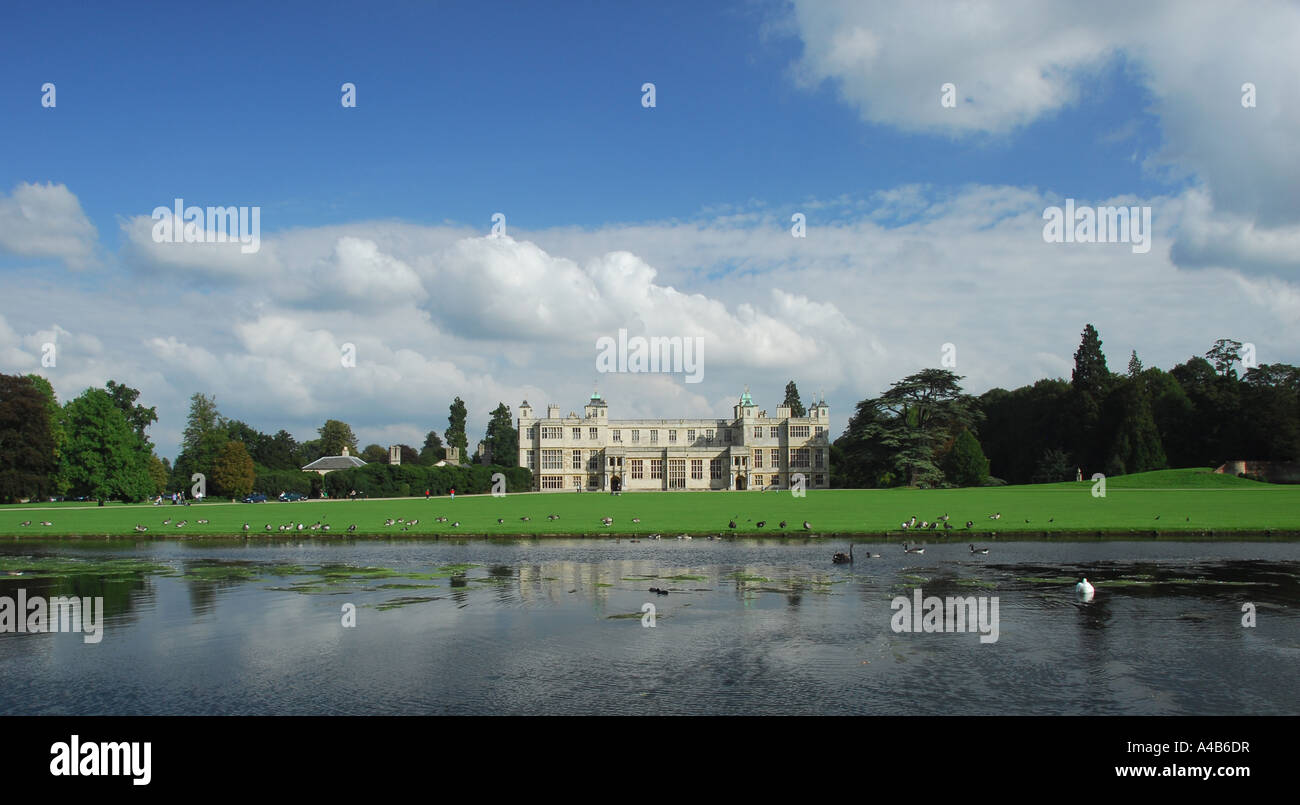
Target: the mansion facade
pixel 751 450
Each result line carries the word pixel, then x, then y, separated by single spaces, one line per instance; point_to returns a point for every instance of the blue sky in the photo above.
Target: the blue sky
pixel 465 110
pixel 924 222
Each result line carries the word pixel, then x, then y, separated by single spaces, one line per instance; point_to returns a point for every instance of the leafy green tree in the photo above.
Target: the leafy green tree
pixel 374 453
pixel 860 458
pixel 334 436
pixel 433 451
pixel 916 417
pixel 1054 466
pixel 1090 372
pixel 277 452
pixel 159 474
pixel 1137 440
pixel 1091 382
pixel 1271 395
pixel 1134 364
pixel 1217 416
pixel 1019 423
pixel 968 466
pixel 502 439
pixel 1174 416
pixel 59 485
pixel 309 451
pixel 250 437
pixel 204 436
pixel 137 416
pixel 1225 354
pixel 792 400
pixel 232 472
pixel 27 442
pixel 456 428
pixel 103 459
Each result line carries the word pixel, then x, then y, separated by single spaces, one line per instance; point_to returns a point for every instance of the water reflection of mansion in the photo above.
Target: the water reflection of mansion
pixel 751 450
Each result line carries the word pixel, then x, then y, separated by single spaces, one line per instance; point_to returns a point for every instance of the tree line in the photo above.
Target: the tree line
pixel 926 431
pixel 96 446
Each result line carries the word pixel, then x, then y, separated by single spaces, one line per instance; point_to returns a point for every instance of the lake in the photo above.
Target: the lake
pixel 556 626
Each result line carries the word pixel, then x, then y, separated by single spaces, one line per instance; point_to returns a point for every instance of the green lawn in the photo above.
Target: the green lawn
pixel 1187 501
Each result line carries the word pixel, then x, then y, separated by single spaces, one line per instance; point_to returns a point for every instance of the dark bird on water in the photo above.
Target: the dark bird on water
pixel 973 549
pixel 841 558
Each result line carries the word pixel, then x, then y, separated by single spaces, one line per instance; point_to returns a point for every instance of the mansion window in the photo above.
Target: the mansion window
pixel 758 431
pixel 532 460
pixel 798 431
pixel 552 433
pixel 593 433
pixel 618 435
pixel 552 482
pixel 758 458
pixel 819 431
pixel 690 435
pixel 636 435
pixel 577 434
pixel 672 436
pixel 799 457
pixel 577 482
pixel 708 435
pixel 697 469
pixel 677 474
pixel 819 457
pixel 773 431
pixel 726 436
pixel 758 480
pixel 637 471
pixel 819 480
pixel 715 469
pixel 657 468
pixel 552 459
pixel 776 458
pixel 654 437
pixel 577 460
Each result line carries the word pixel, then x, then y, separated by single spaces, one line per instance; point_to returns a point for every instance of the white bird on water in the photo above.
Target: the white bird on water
pixel 1085 590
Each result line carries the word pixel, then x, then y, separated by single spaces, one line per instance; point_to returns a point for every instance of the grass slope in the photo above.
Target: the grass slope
pixel 1191 502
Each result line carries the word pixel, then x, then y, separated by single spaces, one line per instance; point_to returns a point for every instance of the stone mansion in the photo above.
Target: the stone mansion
pixel 751 450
